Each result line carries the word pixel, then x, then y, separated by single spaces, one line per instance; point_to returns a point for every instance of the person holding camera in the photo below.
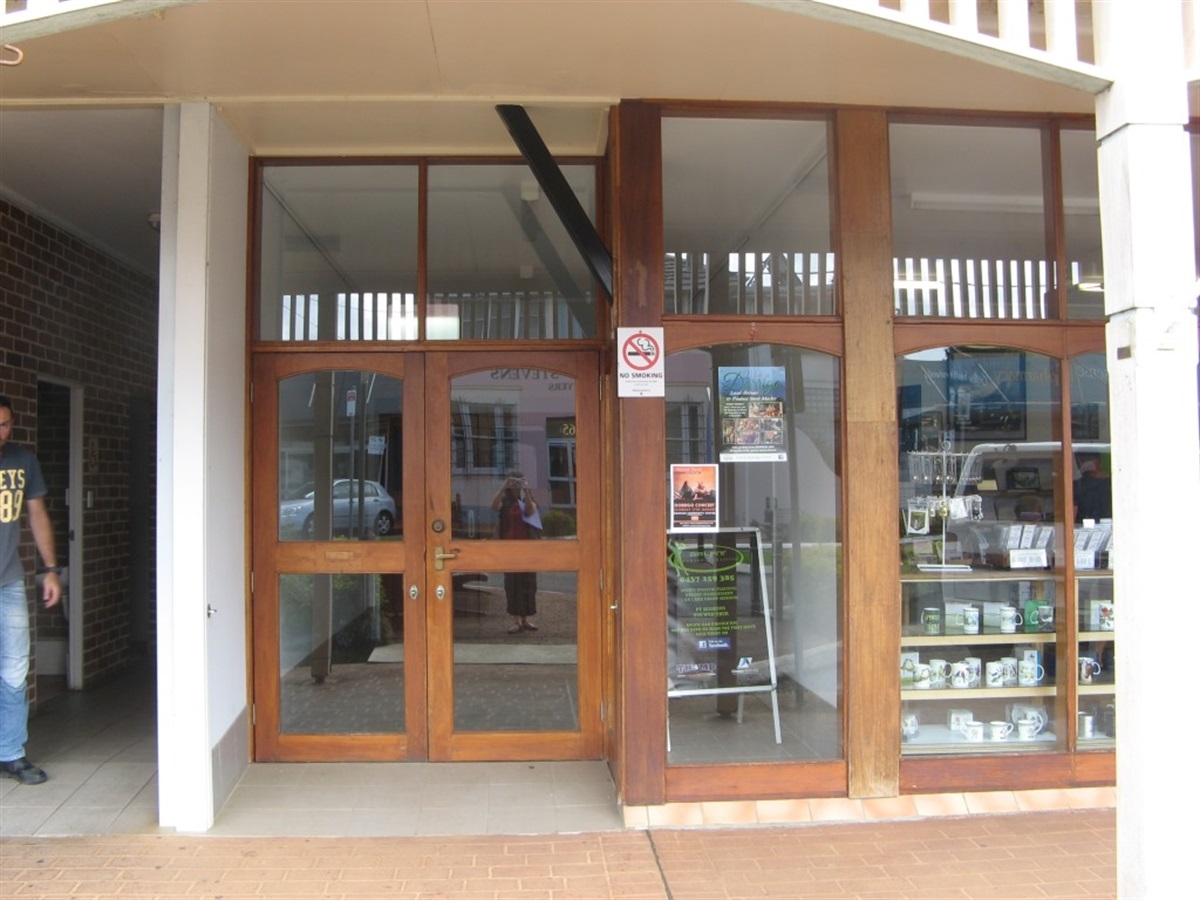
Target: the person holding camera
pixel 518 519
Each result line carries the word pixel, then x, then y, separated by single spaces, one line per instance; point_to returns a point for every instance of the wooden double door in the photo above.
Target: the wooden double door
pixel 426 556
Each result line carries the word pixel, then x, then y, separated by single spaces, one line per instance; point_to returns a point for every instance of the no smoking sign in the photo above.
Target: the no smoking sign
pixel 640 370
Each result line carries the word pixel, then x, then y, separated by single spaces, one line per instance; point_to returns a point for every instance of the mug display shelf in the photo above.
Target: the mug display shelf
pixel 975 693
pixel 957 639
pixel 940 739
pixel 1094 690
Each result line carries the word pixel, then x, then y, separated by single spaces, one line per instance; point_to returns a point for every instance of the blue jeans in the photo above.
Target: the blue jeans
pixel 14 667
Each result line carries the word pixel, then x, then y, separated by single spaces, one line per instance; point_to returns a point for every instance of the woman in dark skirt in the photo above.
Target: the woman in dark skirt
pixel 518 520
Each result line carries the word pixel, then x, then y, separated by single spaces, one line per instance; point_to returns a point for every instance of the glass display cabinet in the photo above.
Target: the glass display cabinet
pixel 1096 683
pixel 977 662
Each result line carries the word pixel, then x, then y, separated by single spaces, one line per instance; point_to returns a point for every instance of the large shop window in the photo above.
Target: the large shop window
pixel 988 542
pixel 339 256
pixel 754 560
pixel 746 217
pixel 971 222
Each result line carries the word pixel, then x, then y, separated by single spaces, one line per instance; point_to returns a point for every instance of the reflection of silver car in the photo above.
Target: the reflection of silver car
pixel 378 510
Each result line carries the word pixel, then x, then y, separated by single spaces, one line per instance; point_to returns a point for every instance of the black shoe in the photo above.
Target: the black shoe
pixel 22 770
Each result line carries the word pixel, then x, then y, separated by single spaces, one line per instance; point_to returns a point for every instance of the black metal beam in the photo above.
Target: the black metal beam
pixel 579 227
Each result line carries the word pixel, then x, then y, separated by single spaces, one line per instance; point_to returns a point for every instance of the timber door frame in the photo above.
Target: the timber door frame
pixel 428 639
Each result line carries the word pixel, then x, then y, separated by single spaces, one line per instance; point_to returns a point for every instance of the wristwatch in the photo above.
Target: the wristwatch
pixel 46 570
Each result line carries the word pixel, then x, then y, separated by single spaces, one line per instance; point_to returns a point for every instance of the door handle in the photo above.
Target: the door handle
pixel 440 556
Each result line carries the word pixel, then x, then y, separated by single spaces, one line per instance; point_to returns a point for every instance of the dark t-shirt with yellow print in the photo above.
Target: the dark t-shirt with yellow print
pixel 20 480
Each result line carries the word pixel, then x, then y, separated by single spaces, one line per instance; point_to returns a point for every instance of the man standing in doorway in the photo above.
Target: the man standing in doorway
pixel 21 487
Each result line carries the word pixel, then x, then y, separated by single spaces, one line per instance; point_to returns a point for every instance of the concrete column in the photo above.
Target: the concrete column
pixel 1150 278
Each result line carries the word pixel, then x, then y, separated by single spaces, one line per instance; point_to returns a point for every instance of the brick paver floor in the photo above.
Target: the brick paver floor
pixel 1052 854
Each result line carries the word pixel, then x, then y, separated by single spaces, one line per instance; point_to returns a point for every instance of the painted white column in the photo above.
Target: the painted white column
pixel 1149 279
pixel 184 763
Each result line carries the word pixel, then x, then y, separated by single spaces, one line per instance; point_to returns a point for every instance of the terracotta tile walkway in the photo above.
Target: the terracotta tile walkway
pixel 1051 854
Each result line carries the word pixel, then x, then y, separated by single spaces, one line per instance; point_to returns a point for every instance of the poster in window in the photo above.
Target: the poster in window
pixel 752 408
pixel 694 497
pixel 987 394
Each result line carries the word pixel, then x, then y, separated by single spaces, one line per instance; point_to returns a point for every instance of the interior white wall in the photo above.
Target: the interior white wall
pixel 201 493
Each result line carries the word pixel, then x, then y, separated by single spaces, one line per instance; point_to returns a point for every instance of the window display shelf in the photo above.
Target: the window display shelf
pixel 975 693
pixel 958 640
pixel 940 739
pixel 1093 690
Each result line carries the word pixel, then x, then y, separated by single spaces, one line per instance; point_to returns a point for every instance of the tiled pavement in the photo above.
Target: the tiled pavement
pixel 1049 854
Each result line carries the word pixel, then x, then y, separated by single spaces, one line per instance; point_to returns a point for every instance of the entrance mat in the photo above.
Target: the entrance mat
pixel 491 654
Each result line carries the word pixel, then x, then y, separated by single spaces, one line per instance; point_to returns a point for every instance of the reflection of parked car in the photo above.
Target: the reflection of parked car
pixel 378 509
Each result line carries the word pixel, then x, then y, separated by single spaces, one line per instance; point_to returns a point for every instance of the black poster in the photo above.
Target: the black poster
pixel 719 636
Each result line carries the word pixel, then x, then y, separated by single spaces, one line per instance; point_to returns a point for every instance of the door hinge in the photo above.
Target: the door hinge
pixel 253 714
pixel 603 711
pixel 602 579
pixel 251 581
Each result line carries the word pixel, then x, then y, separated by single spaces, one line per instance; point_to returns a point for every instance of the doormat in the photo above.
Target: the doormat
pixel 491 654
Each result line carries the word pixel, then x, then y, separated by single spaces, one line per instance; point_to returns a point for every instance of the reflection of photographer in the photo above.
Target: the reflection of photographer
pixel 518 519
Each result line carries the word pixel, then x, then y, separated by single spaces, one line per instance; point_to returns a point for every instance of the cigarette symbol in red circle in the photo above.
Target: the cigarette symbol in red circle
pixel 640 351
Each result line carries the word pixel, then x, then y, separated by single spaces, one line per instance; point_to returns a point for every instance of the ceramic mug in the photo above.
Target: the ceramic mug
pixel 922 675
pixel 993 674
pixel 939 670
pixel 1019 712
pixel 1028 729
pixel 1088 670
pixel 999 731
pixel 1029 673
pixel 1107 618
pixel 1087 726
pixel 1010 618
pixel 1044 618
pixel 973 731
pixel 969 620
pixel 908 726
pixel 1010 670
pixel 960 674
pixel 976 665
pixel 931 620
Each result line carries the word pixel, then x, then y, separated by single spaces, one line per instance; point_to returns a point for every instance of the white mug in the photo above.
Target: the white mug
pixel 973 731
pixel 960 674
pixel 1028 729
pixel 1045 618
pixel 1107 618
pixel 969 619
pixel 1034 713
pixel 994 674
pixel 922 676
pixel 908 726
pixel 976 665
pixel 938 670
pixel 998 731
pixel 1010 618
pixel 1029 673
pixel 1010 670
pixel 1088 669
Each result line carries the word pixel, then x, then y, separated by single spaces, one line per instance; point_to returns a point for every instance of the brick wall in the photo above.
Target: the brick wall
pixel 70 313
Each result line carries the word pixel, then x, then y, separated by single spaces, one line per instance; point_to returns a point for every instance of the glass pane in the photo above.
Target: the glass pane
pixel 1096 725
pixel 1081 205
pixel 339 456
pixel 515 650
pixel 789 490
pixel 969 223
pixel 338 248
pixel 341 654
pixel 512 447
pixel 501 265
pixel 981 474
pixel 746 217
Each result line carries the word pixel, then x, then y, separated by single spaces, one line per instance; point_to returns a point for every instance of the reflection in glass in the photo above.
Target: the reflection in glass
pixel 501 264
pixel 969 232
pixel 506 421
pixel 746 217
pixel 981 462
pixel 795 504
pixel 523 680
pixel 339 456
pixel 341 654
pixel 338 248
pixel 1081 206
